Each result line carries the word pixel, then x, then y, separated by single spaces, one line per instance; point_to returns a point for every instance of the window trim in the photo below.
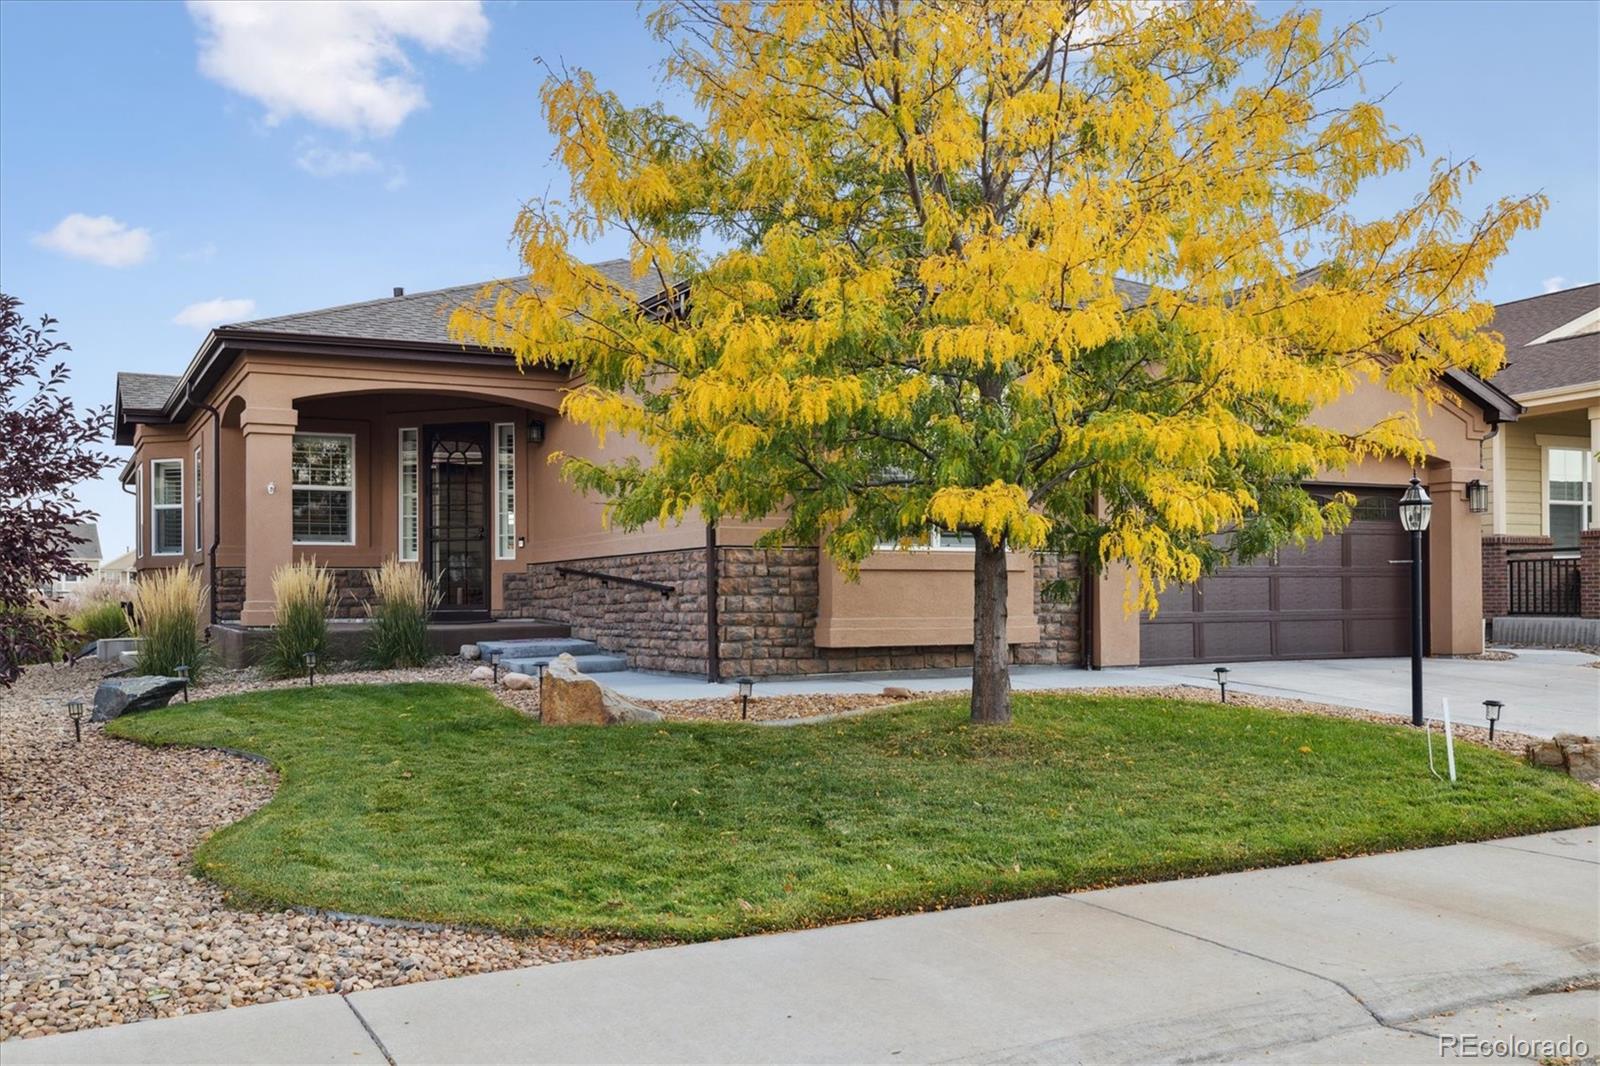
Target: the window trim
pixel 400 492
pixel 502 552
pixel 154 507
pixel 293 487
pixel 933 544
pixel 1549 442
pixel 199 500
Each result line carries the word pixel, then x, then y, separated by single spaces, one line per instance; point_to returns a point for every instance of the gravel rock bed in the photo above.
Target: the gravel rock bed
pixel 102 922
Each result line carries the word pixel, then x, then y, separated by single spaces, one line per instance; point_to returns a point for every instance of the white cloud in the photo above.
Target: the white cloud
pixel 208 313
pixel 97 238
pixel 338 63
pixel 335 162
pixel 1555 284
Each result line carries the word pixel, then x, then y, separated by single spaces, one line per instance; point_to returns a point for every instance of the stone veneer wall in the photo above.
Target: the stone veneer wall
pixel 350 589
pixel 767 614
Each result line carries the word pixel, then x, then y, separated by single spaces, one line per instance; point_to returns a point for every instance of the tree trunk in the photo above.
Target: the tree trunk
pixel 991 657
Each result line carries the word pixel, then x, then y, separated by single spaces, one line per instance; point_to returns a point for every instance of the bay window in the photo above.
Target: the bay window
pixel 324 473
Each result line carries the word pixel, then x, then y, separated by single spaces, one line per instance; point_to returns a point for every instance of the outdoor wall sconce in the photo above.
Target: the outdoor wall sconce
pixel 1222 681
pixel 311 669
pixel 522 542
pixel 75 712
pixel 494 662
pixel 272 487
pixel 183 675
pixel 746 686
pixel 535 431
pixel 1477 496
pixel 1491 711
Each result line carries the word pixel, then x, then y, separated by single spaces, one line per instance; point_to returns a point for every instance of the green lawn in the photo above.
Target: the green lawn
pixel 437 802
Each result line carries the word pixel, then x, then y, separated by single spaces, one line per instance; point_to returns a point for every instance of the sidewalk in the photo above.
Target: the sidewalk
pixel 1361 960
pixel 1545 691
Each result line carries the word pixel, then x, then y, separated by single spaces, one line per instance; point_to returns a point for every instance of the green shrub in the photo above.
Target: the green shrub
pixel 101 621
pixel 166 613
pixel 302 592
pixel 398 633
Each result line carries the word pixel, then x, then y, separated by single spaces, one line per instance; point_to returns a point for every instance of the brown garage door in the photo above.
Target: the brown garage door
pixel 1341 597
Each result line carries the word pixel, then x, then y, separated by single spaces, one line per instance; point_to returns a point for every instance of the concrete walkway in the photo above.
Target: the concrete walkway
pixel 1375 959
pixel 1545 692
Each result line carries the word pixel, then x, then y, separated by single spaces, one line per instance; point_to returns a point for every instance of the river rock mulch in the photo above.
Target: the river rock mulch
pixel 101 920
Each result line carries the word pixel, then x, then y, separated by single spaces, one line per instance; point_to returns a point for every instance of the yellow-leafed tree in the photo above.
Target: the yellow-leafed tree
pixel 1060 276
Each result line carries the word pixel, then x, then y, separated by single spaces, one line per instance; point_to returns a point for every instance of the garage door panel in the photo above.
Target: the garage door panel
pixel 1340 596
pixel 1176 599
pixel 1311 593
pixel 1237 592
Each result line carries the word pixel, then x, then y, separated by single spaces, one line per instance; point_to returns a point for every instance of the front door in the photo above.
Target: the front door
pixel 455 517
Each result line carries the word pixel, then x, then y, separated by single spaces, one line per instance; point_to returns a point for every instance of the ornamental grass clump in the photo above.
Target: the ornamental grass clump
pixel 399 630
pixel 302 593
pixel 101 621
pixel 166 616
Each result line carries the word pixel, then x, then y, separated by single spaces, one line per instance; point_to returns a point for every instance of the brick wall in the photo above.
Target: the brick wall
pixel 767 614
pixel 1589 573
pixel 1496 580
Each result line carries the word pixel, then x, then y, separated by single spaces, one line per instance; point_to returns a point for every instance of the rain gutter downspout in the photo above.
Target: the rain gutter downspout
pixel 713 644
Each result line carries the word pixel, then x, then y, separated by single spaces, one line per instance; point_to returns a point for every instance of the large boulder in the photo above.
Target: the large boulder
pixel 117 696
pixel 567 697
pixel 1577 756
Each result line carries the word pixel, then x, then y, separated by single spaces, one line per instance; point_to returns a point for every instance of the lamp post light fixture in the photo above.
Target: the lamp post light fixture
pixel 183 675
pixel 75 712
pixel 311 669
pixel 1222 681
pixel 1491 711
pixel 494 663
pixel 746 686
pixel 1416 510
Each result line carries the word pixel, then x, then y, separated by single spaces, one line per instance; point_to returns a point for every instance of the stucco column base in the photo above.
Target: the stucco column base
pixel 1115 629
pixel 1455 564
pixel 268 506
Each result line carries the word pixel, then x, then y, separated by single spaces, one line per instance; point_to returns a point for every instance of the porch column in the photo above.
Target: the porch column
pixel 1455 564
pixel 1114 631
pixel 1594 467
pixel 268 506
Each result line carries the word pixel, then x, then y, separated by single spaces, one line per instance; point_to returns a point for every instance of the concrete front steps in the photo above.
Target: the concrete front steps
pixel 526 656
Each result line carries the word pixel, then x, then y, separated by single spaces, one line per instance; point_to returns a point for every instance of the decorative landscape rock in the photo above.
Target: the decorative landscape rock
pixel 482 673
pixel 1577 756
pixel 117 696
pixel 569 698
pixel 518 682
pixel 470 651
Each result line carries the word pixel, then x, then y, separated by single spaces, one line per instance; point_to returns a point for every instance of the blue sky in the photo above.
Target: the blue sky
pixel 213 163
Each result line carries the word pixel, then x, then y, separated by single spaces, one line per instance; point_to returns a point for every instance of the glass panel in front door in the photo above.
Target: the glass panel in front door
pixel 458 542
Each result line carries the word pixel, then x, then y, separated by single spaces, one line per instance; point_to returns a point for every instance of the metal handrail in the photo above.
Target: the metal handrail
pixel 606 579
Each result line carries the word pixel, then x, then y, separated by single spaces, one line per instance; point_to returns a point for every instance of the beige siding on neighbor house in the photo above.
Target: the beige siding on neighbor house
pixel 1524 489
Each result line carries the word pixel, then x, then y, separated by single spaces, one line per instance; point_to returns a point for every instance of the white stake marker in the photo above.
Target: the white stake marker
pixel 1449 741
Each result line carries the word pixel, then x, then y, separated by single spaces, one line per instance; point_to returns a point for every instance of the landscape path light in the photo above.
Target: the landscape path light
pixel 494 664
pixel 1491 711
pixel 183 675
pixel 746 686
pixel 75 712
pixel 1222 681
pixel 1416 510
pixel 311 669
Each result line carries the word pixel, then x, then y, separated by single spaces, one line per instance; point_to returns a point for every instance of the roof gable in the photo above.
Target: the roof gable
pixel 1547 344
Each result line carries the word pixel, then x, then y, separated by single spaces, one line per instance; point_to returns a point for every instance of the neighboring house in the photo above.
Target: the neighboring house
pixel 85 538
pixel 362 431
pixel 119 570
pixel 1543 469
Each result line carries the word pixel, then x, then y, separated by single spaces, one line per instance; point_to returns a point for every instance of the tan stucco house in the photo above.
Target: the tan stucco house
pixel 1544 469
pixel 356 432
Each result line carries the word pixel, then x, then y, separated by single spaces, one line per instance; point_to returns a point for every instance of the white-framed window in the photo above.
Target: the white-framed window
pixel 505 490
pixel 199 511
pixel 410 518
pixel 324 487
pixel 166 507
pixel 1568 494
pixel 938 540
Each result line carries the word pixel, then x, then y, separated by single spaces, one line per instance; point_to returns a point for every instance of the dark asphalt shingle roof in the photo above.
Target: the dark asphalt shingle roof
pixel 1553 364
pixel 416 318
pixel 144 392
pixel 84 538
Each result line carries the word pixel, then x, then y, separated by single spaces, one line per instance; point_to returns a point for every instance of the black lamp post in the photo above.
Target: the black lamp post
pixel 1416 509
pixel 1222 681
pixel 746 685
pixel 1491 711
pixel 311 669
pixel 183 675
pixel 75 712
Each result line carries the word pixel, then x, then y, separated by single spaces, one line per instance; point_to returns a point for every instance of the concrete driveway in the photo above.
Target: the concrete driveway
pixel 1545 692
pixel 1409 957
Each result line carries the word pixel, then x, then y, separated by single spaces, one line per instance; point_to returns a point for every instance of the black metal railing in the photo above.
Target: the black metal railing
pixel 617 579
pixel 1543 585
